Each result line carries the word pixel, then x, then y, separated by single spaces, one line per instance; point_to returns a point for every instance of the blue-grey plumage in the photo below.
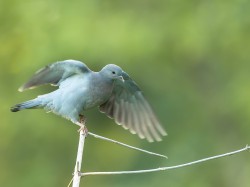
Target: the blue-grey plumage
pixel 80 89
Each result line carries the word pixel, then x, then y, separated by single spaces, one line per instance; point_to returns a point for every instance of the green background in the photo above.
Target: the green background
pixel 191 59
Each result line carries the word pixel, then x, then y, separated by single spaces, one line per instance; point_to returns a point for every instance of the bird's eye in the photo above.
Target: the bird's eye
pixel 113 72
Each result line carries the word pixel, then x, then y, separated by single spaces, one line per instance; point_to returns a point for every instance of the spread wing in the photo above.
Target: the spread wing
pixel 55 73
pixel 130 109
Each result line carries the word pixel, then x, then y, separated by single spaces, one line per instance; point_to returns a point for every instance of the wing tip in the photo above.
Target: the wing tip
pixel 21 89
pixel 163 132
pixel 25 87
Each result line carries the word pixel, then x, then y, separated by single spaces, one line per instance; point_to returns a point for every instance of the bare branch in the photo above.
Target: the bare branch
pixel 77 174
pixel 125 145
pixel 167 168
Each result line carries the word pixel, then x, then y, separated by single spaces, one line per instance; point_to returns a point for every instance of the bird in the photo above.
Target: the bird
pixel 79 89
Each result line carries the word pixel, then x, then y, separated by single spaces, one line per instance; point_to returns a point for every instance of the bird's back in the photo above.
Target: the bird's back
pixel 76 94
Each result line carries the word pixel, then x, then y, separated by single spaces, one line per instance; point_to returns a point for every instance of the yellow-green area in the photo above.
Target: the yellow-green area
pixel 190 58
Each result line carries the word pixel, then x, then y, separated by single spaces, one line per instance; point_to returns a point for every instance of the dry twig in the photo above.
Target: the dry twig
pixel 167 168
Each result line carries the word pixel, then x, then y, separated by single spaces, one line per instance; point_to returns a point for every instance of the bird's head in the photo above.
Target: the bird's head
pixel 113 72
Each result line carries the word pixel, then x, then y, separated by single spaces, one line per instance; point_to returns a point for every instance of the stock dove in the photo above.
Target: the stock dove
pixel 80 89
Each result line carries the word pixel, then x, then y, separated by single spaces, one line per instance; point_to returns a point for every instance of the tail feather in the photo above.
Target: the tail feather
pixel 25 105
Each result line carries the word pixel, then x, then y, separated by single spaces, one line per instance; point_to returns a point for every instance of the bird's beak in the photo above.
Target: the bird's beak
pixel 121 78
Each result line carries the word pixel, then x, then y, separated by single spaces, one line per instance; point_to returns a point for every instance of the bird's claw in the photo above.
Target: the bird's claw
pixel 81 123
pixel 84 129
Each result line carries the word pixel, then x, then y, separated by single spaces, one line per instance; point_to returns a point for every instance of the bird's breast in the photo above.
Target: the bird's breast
pixel 100 91
pixel 80 93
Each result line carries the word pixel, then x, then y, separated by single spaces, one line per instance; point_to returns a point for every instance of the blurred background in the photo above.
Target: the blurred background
pixel 191 59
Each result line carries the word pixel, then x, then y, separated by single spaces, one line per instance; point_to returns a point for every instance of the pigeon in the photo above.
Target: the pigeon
pixel 80 89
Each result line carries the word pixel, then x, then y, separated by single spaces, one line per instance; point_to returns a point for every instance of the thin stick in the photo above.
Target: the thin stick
pixel 167 168
pixel 125 145
pixel 77 174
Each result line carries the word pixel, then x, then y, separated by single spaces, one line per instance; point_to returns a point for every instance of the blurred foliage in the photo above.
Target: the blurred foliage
pixel 191 58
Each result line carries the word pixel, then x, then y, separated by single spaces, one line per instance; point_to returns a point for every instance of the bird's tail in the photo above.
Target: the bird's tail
pixel 35 103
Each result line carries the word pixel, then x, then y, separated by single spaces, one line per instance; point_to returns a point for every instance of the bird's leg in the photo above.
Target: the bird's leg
pixel 81 123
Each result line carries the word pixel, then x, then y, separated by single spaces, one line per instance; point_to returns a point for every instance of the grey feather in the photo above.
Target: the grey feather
pixel 55 73
pixel 35 103
pixel 80 89
pixel 132 111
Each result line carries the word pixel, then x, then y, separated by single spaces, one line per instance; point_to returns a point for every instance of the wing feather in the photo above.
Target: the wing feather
pixel 132 111
pixel 55 73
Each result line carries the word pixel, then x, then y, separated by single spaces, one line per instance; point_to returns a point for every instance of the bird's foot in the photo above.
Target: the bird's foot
pixel 82 119
pixel 84 129
pixel 81 123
